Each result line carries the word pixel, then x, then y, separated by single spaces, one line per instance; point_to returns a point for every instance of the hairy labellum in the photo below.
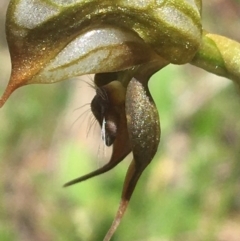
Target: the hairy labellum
pixel 107 106
pixel 131 124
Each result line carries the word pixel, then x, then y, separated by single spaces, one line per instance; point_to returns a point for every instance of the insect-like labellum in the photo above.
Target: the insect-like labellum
pixel 109 105
pixel 131 123
pixel 106 106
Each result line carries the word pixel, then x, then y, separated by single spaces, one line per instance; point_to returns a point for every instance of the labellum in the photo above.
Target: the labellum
pixel 131 124
pixel 124 43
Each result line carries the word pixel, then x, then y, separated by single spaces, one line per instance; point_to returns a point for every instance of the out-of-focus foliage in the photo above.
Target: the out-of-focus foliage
pixel 191 190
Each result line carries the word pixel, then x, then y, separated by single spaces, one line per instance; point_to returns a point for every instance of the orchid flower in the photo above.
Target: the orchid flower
pixel 123 43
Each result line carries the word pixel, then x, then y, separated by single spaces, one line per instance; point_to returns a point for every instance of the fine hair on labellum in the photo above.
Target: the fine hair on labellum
pixel 129 122
pixel 94 112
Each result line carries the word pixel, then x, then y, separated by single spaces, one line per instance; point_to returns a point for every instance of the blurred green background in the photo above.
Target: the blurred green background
pixel 191 190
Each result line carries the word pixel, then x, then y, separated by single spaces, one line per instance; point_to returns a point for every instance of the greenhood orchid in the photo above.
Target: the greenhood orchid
pixel 123 43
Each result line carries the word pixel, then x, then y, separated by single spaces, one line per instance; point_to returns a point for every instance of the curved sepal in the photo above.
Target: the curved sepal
pixel 144 133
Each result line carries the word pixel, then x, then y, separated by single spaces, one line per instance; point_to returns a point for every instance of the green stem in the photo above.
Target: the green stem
pixel 219 55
